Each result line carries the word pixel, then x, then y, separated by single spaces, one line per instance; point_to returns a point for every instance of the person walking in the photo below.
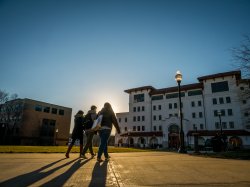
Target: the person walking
pixel 108 119
pixel 89 120
pixel 77 132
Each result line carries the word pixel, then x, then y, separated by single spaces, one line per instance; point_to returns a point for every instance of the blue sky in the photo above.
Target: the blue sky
pixel 79 53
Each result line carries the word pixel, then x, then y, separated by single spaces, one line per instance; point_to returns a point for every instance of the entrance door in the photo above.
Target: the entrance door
pixel 173 136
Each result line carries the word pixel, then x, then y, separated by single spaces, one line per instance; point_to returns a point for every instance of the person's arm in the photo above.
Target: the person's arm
pixel 115 122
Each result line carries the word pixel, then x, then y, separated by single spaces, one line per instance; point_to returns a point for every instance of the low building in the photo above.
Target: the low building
pixel 153 119
pixel 31 122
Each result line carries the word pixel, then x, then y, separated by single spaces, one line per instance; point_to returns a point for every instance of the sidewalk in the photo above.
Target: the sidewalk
pixel 124 169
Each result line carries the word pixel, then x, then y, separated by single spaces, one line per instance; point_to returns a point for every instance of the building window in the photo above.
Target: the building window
pixel 231 125
pixel 219 87
pixel 120 120
pixel 174 95
pixel 175 105
pixel 223 113
pixel 194 127
pixel 244 101
pixel 201 126
pixel 214 101
pixel 143 118
pixel 160 128
pixel 138 118
pixel 46 109
pixel 241 88
pixel 134 109
pixel 230 112
pixel 158 97
pixel 224 125
pixel 61 112
pixel 126 120
pixel 143 108
pixel 154 107
pixel 246 114
pixel 143 128
pixel 54 111
pixel 134 118
pixel 195 92
pixel 138 109
pixel 154 128
pixel 139 98
pixel 217 125
pixel 200 115
pixel 138 128
pixel 193 115
pixel 228 99
pixel 199 103
pixel 215 113
pixel 159 117
pixel 134 128
pixel 159 107
pixel 154 117
pixel 176 115
pixel 192 104
pixel 38 108
pixel 125 129
pixel 170 115
pixel 221 100
pixel 170 105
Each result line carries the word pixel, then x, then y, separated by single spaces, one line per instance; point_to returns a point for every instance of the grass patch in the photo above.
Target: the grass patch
pixel 61 149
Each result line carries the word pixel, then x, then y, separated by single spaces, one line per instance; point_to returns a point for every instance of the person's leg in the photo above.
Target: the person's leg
pixel 70 147
pixel 87 144
pixel 91 143
pixel 101 146
pixel 81 143
pixel 106 144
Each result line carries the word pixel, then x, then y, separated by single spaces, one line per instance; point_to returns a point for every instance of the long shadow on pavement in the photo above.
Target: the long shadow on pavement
pixel 61 179
pixel 99 175
pixel 34 176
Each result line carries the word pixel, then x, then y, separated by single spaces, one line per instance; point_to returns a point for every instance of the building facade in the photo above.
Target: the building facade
pixel 153 118
pixel 31 122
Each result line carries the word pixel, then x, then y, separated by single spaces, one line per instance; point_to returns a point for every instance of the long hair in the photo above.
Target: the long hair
pixel 108 107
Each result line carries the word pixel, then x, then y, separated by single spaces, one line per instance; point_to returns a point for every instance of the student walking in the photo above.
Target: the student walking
pixel 89 120
pixel 108 119
pixel 77 132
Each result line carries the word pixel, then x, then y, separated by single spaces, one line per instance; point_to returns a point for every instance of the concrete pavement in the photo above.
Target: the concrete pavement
pixel 124 169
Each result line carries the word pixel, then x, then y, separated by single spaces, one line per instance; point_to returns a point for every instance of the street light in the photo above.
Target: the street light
pixel 178 78
pixel 56 135
pixel 219 114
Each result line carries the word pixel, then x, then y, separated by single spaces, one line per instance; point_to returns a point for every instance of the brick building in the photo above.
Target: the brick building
pixel 31 122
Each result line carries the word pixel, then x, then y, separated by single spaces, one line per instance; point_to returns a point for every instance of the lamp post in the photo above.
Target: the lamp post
pixel 178 78
pixel 219 114
pixel 56 135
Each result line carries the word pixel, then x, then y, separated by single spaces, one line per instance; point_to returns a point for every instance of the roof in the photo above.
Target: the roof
pixel 175 89
pixel 225 74
pixel 142 134
pixel 139 89
pixel 226 132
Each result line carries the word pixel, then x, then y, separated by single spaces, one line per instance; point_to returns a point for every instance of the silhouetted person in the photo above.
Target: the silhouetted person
pixel 89 120
pixel 106 126
pixel 77 132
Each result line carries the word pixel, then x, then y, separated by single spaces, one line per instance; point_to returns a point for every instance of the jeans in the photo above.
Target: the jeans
pixel 88 145
pixel 103 148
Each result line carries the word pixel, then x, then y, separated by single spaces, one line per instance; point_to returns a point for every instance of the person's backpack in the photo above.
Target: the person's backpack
pixel 88 122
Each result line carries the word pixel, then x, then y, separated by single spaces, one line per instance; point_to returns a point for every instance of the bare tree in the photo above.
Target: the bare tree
pixel 241 57
pixel 4 96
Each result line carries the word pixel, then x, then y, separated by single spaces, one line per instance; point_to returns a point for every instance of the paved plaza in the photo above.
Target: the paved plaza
pixel 124 169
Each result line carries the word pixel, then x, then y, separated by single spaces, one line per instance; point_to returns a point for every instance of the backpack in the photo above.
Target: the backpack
pixel 88 122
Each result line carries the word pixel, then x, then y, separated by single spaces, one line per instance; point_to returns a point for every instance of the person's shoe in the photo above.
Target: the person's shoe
pixel 99 160
pixel 67 155
pixel 83 156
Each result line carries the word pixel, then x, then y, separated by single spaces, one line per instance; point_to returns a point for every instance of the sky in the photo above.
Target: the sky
pixel 82 53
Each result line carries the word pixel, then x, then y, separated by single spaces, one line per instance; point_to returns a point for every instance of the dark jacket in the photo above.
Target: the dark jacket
pixel 108 119
pixel 78 128
pixel 89 119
